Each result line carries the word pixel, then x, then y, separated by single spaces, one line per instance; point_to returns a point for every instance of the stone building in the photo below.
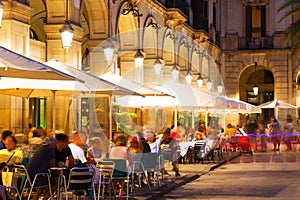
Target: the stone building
pixel 235 43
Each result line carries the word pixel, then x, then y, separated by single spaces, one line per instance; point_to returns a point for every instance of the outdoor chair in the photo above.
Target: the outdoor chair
pixel 151 165
pixel 81 179
pixel 18 190
pixel 199 151
pixel 106 169
pixel 138 170
pixel 40 180
pixel 120 172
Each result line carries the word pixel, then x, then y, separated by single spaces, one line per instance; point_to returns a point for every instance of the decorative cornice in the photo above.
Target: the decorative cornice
pixel 174 18
pixel 14 10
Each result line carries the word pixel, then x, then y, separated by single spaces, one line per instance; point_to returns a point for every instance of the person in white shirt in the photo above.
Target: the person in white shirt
pixel 79 140
pixel 153 143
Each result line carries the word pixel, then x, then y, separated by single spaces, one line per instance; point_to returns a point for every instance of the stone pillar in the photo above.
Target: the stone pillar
pixel 71 57
pixel 14 35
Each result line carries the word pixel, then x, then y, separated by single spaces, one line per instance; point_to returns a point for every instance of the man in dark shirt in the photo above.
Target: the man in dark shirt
pixel 62 150
pixel 41 161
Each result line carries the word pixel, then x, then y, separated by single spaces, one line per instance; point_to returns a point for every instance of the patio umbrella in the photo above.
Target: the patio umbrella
pixel 181 96
pixel 97 85
pixel 131 85
pixel 17 85
pixel 276 104
pixel 15 65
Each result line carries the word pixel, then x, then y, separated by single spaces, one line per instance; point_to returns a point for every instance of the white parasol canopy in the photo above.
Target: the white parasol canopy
pixel 276 104
pixel 95 84
pixel 131 85
pixel 15 65
pixel 180 96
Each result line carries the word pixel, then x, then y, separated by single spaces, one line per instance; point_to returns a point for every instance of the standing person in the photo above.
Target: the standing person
pixel 261 130
pixel 252 133
pixel 230 134
pixel 288 131
pixel 275 133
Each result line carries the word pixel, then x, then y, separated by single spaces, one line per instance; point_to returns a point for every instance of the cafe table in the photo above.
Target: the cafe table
pixel 61 181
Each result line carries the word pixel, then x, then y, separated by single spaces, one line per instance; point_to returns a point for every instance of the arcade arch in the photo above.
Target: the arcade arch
pixel 264 79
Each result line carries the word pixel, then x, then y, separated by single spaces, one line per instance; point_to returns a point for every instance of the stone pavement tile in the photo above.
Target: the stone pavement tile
pixel 189 172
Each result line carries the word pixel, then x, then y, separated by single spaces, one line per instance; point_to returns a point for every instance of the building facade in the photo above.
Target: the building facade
pixel 235 43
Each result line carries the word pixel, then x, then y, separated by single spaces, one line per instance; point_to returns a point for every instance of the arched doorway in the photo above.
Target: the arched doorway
pixel 264 79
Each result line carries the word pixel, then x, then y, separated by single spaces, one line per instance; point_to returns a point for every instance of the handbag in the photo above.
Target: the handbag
pixel 9 178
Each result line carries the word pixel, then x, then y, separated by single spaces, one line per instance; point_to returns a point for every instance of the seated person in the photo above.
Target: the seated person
pixel 200 134
pixel 153 142
pixel 79 141
pixel 41 161
pixel 95 150
pixel 3 137
pixel 120 151
pixel 11 155
pixel 78 153
pixel 36 138
pixel 62 150
pixel 169 141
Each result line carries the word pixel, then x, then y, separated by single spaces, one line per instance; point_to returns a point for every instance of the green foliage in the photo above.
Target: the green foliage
pixel 293 30
pixel 185 119
pixel 124 121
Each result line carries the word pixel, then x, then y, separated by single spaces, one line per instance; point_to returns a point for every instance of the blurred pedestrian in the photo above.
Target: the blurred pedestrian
pixel 275 133
pixel 288 132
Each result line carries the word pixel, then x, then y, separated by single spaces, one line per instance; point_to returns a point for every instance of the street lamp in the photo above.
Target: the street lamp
pixel 175 72
pixel 220 87
pixel 108 50
pixel 132 8
pixel 189 74
pixel 209 83
pixel 200 80
pixel 255 87
pixel 189 77
pixel 139 59
pixel 157 66
pixel 66 30
pixel 157 63
pixel 1 12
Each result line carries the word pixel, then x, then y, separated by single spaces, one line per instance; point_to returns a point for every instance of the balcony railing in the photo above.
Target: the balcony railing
pixel 260 43
pixel 255 2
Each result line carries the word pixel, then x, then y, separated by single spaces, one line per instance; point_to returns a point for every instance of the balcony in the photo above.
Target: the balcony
pixel 260 43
